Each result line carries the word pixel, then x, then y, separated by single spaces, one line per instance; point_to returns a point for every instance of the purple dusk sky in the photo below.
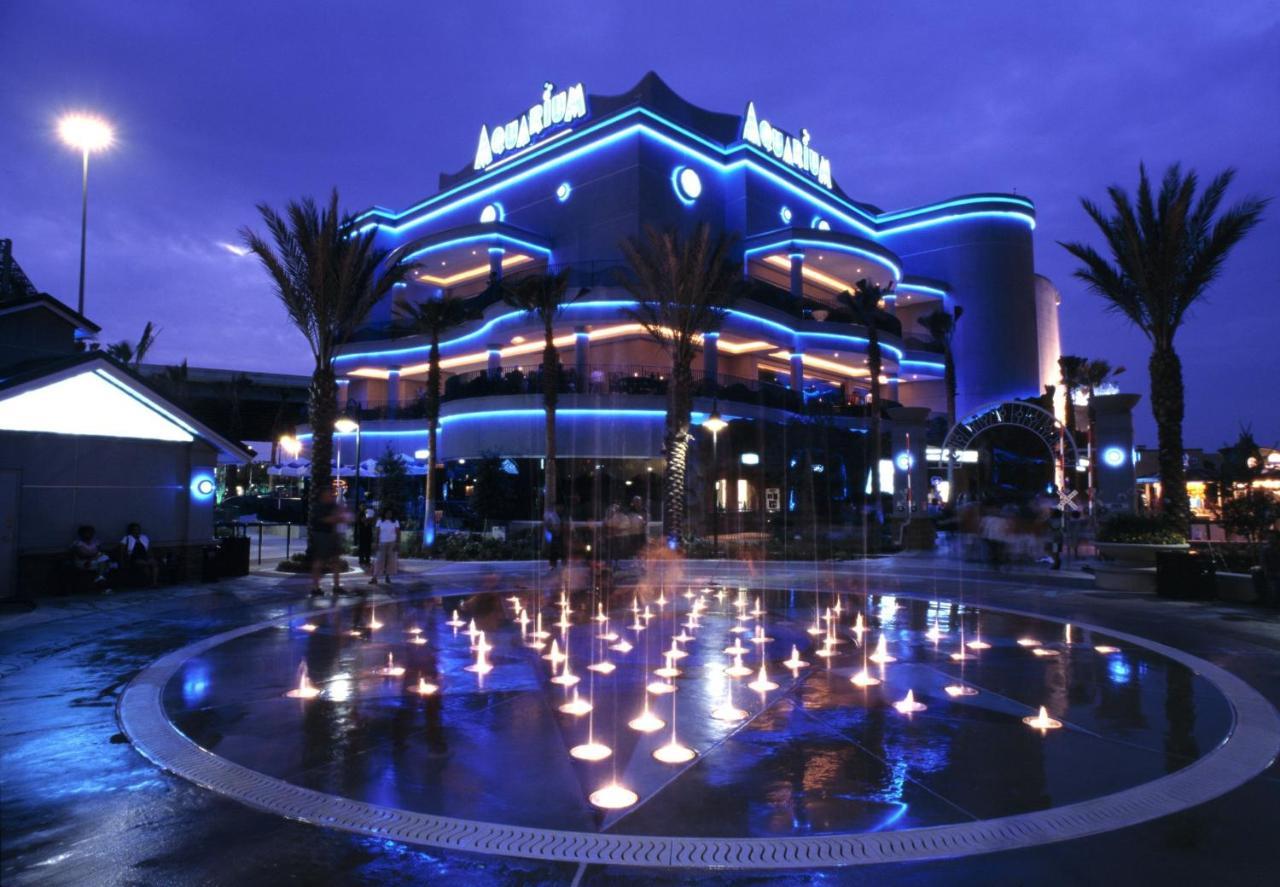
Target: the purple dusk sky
pixel 219 106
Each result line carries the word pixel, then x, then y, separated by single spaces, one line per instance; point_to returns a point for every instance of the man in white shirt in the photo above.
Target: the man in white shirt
pixel 384 561
pixel 135 551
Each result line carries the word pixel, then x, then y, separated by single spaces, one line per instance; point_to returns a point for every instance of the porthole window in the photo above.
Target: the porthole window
pixel 687 183
pixel 785 215
pixel 563 192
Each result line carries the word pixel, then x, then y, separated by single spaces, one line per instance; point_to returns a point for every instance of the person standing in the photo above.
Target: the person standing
pixel 385 562
pixel 326 543
pixel 364 537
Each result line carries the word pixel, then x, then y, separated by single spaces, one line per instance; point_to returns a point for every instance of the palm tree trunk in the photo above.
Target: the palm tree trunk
pixel 550 398
pixel 433 424
pixel 680 405
pixel 322 411
pixel 1167 406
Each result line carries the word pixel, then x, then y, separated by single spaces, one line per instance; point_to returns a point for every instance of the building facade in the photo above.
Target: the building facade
pixel 562 183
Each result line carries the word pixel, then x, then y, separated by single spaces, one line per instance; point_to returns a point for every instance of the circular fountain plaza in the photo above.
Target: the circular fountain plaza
pixel 700 725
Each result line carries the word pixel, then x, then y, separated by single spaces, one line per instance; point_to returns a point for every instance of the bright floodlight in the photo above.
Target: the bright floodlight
pixel 345 425
pixel 715 423
pixel 84 132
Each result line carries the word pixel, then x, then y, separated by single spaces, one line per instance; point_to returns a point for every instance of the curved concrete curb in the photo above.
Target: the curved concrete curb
pixel 1250 747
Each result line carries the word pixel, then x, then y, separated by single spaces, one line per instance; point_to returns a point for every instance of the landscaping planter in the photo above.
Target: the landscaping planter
pixel 1237 588
pixel 1135 553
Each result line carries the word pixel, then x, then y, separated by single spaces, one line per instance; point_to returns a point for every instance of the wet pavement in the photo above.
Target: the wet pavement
pixel 80 806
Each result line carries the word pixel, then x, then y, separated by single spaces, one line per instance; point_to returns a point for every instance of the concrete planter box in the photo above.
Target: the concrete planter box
pixel 1136 554
pixel 1125 577
pixel 1238 588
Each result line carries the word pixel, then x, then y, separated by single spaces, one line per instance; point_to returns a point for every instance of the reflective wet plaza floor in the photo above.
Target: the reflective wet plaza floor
pixel 814 754
pixel 79 806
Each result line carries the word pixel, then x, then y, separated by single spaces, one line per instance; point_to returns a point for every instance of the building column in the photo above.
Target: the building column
pixel 711 358
pixel 581 354
pixel 1114 474
pixel 797 371
pixel 797 275
pixel 495 360
pixel 344 388
pixel 393 391
pixel 495 262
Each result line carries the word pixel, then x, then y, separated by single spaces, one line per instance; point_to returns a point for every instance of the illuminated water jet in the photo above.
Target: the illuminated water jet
pixel 646 721
pixel 554 656
pixel 908 705
pixel 424 687
pixel 482 665
pixel 591 751
pixel 762 684
pixel 863 678
pixel 391 670
pixel 613 797
pixel 737 670
pixel 881 655
pixel 576 706
pixel 305 689
pixel 1028 642
pixel 727 711
pixel 795 661
pixel 622 646
pixel 1042 721
pixel 1106 649
pixel 456 621
pixel 960 690
pixel 308 626
pixel 1045 651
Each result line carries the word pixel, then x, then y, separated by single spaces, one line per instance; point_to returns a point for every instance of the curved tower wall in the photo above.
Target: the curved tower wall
pixel 988 262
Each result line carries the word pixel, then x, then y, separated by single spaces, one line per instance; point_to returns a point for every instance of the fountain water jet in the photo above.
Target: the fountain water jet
pixel 305 689
pixel 456 622
pixel 727 711
pixel 1042 721
pixel 795 662
pixel 424 687
pixel 762 684
pixel 881 655
pixel 391 670
pixel 576 706
pixel 908 705
pixel 482 665
pixel 737 670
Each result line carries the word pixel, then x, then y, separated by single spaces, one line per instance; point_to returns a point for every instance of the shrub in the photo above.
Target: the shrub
pixel 1141 529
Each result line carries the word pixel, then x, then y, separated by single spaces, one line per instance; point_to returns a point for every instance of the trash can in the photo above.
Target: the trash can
pixel 209 563
pixel 233 556
pixel 1185 575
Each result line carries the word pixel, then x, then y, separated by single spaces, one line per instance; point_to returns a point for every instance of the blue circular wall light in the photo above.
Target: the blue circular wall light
pixel 785 215
pixel 1113 456
pixel 202 486
pixel 563 192
pixel 903 461
pixel 687 184
pixel 491 213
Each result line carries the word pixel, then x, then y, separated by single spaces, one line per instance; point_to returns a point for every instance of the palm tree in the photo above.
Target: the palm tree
pixel 433 318
pixel 683 286
pixel 865 302
pixel 1165 253
pixel 543 295
pixel 941 326
pixel 1071 369
pixel 327 277
pixel 133 355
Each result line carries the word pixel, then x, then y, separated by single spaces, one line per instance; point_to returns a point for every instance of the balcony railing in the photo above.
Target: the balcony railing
pixel 614 380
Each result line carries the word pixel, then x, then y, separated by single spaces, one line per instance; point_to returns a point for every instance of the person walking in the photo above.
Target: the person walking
pixel 326 543
pixel 385 561
pixel 364 537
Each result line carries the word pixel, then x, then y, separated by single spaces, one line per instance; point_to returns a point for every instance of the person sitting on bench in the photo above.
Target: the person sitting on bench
pixel 135 552
pixel 88 559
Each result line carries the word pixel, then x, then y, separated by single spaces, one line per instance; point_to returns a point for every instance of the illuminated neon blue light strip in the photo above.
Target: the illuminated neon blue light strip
pixel 811 193
pixel 539 413
pixel 477 238
pixel 923 363
pixel 942 220
pixel 964 201
pixel 921 288
pixel 606 303
pixel 829 246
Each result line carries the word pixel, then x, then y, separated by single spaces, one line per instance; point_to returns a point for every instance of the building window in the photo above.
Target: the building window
pixel 563 192
pixel 491 213
pixel 785 215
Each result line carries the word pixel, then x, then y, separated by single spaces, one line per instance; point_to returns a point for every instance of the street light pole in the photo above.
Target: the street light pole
pixel 86 134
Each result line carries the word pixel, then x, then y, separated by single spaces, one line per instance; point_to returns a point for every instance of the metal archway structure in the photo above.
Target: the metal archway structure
pixel 1019 414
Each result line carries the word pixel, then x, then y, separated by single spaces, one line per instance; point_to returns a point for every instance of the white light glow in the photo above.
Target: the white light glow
pixel 84 132
pixel 88 404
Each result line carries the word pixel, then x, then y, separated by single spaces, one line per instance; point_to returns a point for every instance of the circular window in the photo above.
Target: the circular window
pixel 563 192
pixel 491 213
pixel 785 215
pixel 687 183
pixel 821 224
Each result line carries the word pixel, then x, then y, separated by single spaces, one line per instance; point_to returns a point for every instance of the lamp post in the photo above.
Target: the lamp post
pixel 346 426
pixel 716 424
pixel 86 134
